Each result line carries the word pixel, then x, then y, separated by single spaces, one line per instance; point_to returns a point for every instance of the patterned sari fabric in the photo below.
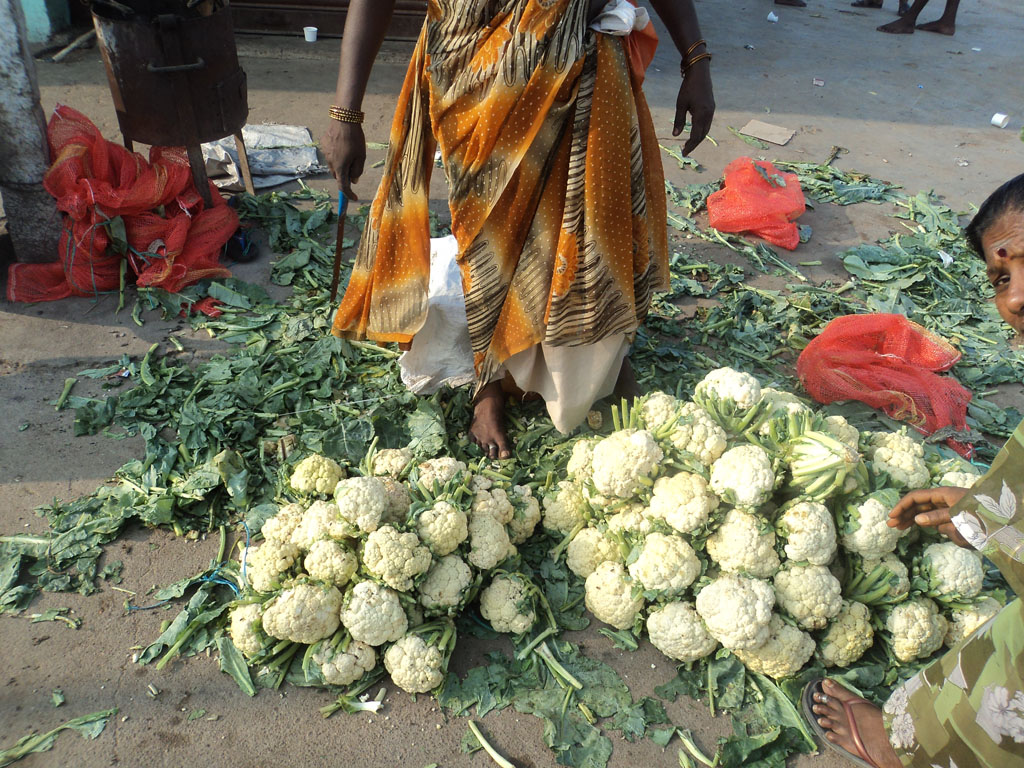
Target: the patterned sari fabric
pixel 555 184
pixel 967 709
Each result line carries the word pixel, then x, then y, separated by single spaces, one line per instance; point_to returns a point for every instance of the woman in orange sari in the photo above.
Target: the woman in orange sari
pixel 555 183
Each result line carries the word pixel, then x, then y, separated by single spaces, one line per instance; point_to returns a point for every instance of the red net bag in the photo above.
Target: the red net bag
pixel 889 363
pixel 759 199
pixel 173 240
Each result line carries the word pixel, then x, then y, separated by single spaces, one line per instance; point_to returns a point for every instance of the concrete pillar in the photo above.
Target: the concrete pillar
pixel 32 218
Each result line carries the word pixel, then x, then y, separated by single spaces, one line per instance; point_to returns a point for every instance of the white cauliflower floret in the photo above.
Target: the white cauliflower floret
pixel 343 665
pixel 737 610
pixel 808 593
pixel 952 572
pixel 666 564
pixel 281 526
pixel 624 462
pixel 848 636
pixel 959 479
pixel 588 549
pixel 399 502
pixel 631 520
pixel 683 501
pixel 246 628
pixel 810 533
pixel 965 621
pixel 697 433
pixel 508 603
pixel 730 385
pixel 495 503
pixel 900 457
pixel 395 558
pixel 743 476
pixel 527 514
pixel 865 528
pixel 303 613
pixel 566 509
pixel 445 584
pixel 677 631
pixel 782 655
pixel 609 596
pixel 917 629
pixel 391 462
pixel 315 524
pixel 373 614
pixel 842 431
pixel 442 527
pixel 744 543
pixel 316 474
pixel 415 665
pixel 480 483
pixel 331 561
pixel 362 502
pixel 441 471
pixel 267 563
pixel 657 409
pixel 581 460
pixel 488 542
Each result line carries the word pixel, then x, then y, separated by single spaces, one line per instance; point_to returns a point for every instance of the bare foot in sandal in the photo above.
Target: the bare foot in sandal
pixel 854 724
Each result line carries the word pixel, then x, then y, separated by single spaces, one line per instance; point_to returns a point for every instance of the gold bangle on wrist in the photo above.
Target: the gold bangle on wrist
pixel 345 115
pixel 694 47
pixel 694 60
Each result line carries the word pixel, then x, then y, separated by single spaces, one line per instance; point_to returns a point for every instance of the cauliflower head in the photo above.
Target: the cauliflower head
pixel 609 596
pixel 808 593
pixel 737 611
pixel 744 543
pixel 952 572
pixel 632 521
pixel 508 603
pixel 344 664
pixel 246 628
pixel 443 527
pixel 391 462
pixel 266 564
pixel 495 503
pixel 697 433
pixel 842 430
pixel 916 627
pixel 362 502
pixel 900 457
pixel 373 614
pixel 743 476
pixel 399 502
pixel 778 406
pixel 581 460
pixel 729 386
pixel 315 523
pixel 489 543
pixel 624 462
pixel 810 533
pixel 683 500
pixel 864 527
pixel 848 636
pixel 877 582
pixel 588 549
pixel 316 474
pixel 445 585
pixel 441 471
pixel 666 564
pixel 965 621
pixel 281 526
pixel 959 479
pixel 677 631
pixel 565 510
pixel 394 557
pixel 782 655
pixel 415 665
pixel 527 514
pixel 657 409
pixel 303 613
pixel 331 562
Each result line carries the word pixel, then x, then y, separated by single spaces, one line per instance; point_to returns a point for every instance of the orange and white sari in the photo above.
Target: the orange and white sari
pixel 555 187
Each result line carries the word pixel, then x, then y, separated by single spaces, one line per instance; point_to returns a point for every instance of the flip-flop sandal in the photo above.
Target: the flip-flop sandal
pixel 860 758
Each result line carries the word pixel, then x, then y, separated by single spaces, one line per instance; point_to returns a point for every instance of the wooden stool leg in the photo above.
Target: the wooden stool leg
pixel 243 163
pixel 202 181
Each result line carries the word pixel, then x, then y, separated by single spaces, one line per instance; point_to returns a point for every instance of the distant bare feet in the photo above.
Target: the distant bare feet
pixel 904 6
pixel 939 26
pixel 626 387
pixel 488 427
pixel 866 3
pixel 901 26
pixel 792 3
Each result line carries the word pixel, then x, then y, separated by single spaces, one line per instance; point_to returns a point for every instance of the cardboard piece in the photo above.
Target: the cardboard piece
pixel 767 132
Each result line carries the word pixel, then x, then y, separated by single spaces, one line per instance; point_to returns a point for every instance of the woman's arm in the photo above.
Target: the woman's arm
pixel 696 95
pixel 344 144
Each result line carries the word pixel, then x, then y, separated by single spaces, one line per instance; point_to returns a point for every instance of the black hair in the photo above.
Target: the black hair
pixel 1009 197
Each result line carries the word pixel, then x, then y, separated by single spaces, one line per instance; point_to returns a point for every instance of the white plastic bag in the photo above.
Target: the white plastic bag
pixel 441 353
pixel 620 18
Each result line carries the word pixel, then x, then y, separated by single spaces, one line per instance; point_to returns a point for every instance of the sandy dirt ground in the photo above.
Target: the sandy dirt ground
pixel 914 110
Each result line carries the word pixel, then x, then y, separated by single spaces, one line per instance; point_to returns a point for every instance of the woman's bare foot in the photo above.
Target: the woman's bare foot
pixel 940 26
pixel 902 26
pixel 833 718
pixel 626 387
pixel 488 427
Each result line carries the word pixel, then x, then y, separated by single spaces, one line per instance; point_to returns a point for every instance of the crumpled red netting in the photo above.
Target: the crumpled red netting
pixel 748 202
pixel 889 363
pixel 173 239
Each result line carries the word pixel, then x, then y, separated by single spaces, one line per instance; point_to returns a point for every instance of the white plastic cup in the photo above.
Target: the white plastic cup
pixel 999 120
pixel 310 33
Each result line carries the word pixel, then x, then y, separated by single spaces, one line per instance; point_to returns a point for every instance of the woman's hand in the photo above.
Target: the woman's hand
pixel 929 507
pixel 344 148
pixel 697 98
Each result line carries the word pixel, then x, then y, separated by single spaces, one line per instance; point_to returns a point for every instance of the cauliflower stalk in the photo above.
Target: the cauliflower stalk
pixel 418 661
pixel 737 611
pixel 683 500
pixel 782 655
pixel 303 613
pixel 808 593
pixel 677 631
pixel 744 543
pixel 316 474
pixel 822 466
pixel 624 462
pixel 395 558
pixel 743 476
pixel 848 637
pixel 885 581
pixel 609 595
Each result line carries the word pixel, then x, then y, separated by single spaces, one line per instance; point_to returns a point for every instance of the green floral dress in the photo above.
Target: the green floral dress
pixel 967 708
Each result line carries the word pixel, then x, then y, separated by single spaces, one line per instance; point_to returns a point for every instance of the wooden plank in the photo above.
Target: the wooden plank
pixel 290 16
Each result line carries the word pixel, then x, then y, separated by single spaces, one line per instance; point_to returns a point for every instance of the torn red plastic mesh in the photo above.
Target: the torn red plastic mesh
pixel 763 204
pixel 889 363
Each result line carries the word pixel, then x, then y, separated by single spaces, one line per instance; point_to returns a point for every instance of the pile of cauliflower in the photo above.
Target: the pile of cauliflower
pixel 745 520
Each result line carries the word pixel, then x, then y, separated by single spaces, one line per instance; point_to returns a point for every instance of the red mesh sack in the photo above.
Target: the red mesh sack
pixel 762 202
pixel 889 363
pixel 173 240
